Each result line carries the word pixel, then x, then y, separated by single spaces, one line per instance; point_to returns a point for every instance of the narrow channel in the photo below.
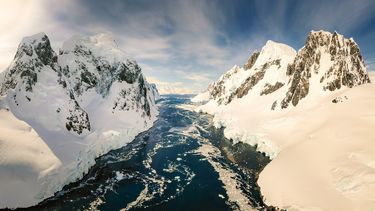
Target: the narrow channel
pixel 181 163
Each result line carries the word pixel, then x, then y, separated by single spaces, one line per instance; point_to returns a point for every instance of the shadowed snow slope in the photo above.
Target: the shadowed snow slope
pixel 73 107
pixel 314 115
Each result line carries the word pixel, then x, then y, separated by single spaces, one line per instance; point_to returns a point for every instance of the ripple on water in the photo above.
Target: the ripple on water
pixel 165 168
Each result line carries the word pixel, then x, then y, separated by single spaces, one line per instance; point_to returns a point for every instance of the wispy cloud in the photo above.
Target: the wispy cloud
pixel 186 43
pixel 198 78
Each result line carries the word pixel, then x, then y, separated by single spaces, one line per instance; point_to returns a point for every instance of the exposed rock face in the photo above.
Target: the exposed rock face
pixel 269 88
pixel 250 63
pixel 218 89
pixel 253 80
pixel 339 99
pixel 32 55
pixel 335 60
pixel 77 120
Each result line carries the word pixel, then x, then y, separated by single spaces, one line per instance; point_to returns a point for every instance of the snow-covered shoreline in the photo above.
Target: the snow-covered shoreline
pixel 322 157
pixel 312 112
pixel 49 175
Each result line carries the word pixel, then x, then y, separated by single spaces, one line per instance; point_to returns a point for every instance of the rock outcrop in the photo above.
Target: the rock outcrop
pixel 329 58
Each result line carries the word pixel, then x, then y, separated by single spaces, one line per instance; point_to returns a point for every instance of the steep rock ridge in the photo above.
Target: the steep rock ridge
pixel 254 79
pixel 221 90
pixel 328 61
pixel 251 61
pixel 36 61
pixel 269 88
pixel 32 55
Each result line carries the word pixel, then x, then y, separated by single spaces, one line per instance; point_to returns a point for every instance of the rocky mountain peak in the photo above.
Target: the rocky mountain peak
pixel 237 82
pixel 98 61
pixel 37 46
pixel 270 51
pixel 33 53
pixel 327 61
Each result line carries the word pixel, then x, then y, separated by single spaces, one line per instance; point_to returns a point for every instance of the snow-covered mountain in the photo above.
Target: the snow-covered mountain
pixel 312 112
pixel 79 104
pixel 327 62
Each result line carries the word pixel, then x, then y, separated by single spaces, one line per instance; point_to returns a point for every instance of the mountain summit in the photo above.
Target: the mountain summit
pixel 326 63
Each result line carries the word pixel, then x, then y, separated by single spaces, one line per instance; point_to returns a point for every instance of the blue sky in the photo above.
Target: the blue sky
pixel 183 45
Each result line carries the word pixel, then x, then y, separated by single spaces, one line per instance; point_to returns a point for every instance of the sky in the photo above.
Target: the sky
pixel 183 45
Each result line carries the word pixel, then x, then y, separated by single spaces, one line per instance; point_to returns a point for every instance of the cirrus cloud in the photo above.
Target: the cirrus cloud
pixel 187 43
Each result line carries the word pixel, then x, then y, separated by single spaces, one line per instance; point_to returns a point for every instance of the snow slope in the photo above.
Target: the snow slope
pixel 201 97
pixel 268 67
pixel 74 107
pixel 323 146
pixel 331 165
pixel 24 158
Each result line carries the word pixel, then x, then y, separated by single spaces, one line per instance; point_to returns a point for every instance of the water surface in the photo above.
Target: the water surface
pixel 181 163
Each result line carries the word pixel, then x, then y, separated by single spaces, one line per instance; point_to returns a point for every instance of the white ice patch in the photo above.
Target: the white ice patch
pixel 226 176
pixel 119 176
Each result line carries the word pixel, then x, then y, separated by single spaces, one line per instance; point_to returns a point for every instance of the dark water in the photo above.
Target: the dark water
pixel 160 169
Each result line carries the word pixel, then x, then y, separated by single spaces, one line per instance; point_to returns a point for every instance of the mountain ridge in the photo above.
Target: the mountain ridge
pixel 331 57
